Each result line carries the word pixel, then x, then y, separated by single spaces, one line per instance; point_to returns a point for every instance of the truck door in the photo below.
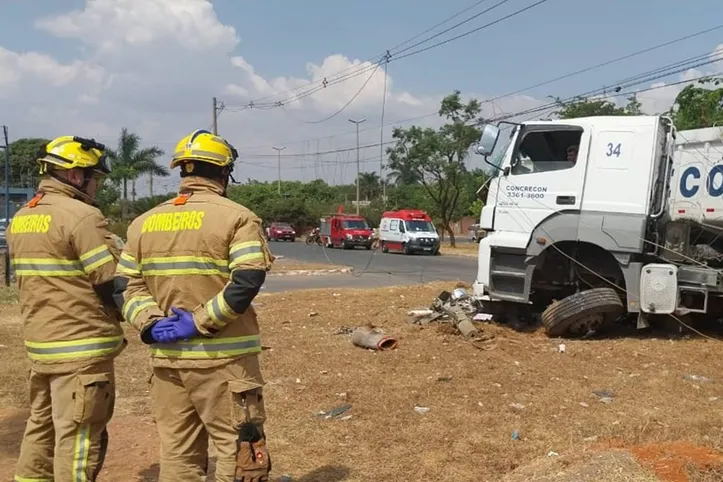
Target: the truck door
pixel 336 231
pixel 544 174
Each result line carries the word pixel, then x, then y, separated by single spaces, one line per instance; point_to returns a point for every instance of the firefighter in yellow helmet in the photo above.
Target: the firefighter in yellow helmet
pixel 186 279
pixel 64 258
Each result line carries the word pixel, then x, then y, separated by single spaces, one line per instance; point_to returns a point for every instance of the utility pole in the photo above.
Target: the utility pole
pixel 278 150
pixel 7 204
pixel 357 122
pixel 215 117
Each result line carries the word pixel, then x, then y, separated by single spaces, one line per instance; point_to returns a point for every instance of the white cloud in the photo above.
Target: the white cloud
pixel 154 65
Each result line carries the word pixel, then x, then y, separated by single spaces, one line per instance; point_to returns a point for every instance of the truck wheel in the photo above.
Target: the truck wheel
pixel 579 313
pixel 385 249
pixel 406 249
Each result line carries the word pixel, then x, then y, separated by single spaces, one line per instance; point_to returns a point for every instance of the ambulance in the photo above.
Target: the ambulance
pixel 408 231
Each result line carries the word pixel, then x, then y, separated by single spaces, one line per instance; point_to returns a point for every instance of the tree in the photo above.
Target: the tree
pixel 130 162
pixel 700 107
pixel 403 176
pixel 369 185
pixel 23 162
pixel 437 156
pixel 583 107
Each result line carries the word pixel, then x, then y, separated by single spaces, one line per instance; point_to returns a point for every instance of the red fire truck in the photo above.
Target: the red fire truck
pixel 345 231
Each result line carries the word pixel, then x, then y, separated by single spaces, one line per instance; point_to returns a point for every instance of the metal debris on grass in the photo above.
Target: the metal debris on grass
pixel 334 412
pixel 373 339
pixel 456 307
pixel 698 378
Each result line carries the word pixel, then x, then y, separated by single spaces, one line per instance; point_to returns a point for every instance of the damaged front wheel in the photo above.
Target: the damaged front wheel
pixel 582 312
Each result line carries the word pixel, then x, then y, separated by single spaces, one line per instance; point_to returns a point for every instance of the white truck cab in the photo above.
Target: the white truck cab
pixel 586 221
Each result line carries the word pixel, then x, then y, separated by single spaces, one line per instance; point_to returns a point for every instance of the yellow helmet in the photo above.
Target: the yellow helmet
pixel 68 152
pixel 203 146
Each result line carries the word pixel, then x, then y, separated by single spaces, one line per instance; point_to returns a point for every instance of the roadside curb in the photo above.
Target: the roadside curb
pixel 311 272
pixel 460 255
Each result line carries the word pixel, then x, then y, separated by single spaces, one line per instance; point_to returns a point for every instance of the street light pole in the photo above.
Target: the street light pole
pixel 278 150
pixel 357 122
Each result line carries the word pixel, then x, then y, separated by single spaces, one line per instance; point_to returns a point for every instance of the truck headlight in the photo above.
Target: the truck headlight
pixel 348 236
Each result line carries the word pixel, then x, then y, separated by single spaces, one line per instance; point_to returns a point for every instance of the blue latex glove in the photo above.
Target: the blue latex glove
pixel 179 326
pixel 161 332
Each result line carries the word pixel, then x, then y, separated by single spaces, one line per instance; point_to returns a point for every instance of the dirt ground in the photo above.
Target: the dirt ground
pixel 628 408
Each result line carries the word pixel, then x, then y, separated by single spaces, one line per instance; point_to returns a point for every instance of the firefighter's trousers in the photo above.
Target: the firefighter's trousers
pixel 65 436
pixel 191 405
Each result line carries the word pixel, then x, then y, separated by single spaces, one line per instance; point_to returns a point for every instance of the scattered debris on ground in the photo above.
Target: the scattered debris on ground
pixel 472 401
pixel 372 339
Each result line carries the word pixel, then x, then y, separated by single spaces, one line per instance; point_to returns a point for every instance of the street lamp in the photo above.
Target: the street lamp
pixel 357 122
pixel 279 149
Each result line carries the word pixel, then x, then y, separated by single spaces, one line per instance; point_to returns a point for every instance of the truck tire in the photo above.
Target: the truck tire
pixel 385 248
pixel 577 313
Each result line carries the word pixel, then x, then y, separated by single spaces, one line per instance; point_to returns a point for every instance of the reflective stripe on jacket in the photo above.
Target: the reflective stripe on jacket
pixel 60 248
pixel 183 253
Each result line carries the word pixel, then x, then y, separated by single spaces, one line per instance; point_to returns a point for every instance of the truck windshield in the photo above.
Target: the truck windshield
pixel 355 224
pixel 419 226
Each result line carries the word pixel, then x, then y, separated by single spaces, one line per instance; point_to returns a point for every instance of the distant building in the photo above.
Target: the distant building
pixel 18 197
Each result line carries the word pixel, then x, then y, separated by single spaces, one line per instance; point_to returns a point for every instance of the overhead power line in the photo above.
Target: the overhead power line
pixel 645 77
pixel 390 57
pixel 377 57
pixel 530 87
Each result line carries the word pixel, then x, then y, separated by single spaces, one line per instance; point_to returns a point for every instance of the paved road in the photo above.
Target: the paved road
pixel 370 268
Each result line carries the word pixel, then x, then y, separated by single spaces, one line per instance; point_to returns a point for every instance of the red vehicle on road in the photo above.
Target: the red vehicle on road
pixel 279 231
pixel 346 231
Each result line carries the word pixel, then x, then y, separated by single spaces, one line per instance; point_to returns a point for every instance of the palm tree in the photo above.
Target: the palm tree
pixel 369 184
pixel 403 177
pixel 130 162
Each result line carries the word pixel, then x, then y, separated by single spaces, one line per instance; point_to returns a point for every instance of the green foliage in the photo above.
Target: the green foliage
pixel 588 108
pixel 23 165
pixel 141 205
pixel 698 106
pixel 475 209
pixel 130 161
pixel 107 198
pixel 436 157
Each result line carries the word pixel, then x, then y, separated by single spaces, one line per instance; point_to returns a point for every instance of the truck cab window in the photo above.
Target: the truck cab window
pixel 419 226
pixel 548 150
pixel 355 224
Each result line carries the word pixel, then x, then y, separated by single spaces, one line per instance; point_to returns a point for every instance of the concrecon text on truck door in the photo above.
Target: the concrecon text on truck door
pixel 515 191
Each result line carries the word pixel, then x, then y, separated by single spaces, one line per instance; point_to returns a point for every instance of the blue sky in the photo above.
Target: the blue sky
pixel 279 37
pixel 276 40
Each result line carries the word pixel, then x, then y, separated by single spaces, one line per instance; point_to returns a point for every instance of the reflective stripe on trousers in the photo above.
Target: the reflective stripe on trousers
pixel 68 350
pixel 203 349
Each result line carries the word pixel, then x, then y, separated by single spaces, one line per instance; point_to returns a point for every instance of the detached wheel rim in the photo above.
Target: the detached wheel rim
pixel 589 323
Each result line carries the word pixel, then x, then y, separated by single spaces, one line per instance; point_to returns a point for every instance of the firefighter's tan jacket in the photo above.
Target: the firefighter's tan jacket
pixel 182 253
pixel 60 248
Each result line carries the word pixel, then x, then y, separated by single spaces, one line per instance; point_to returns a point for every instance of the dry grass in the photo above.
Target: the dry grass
pixel 476 398
pixel 462 249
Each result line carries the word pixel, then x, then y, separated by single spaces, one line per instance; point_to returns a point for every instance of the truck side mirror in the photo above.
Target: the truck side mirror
pixel 488 140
